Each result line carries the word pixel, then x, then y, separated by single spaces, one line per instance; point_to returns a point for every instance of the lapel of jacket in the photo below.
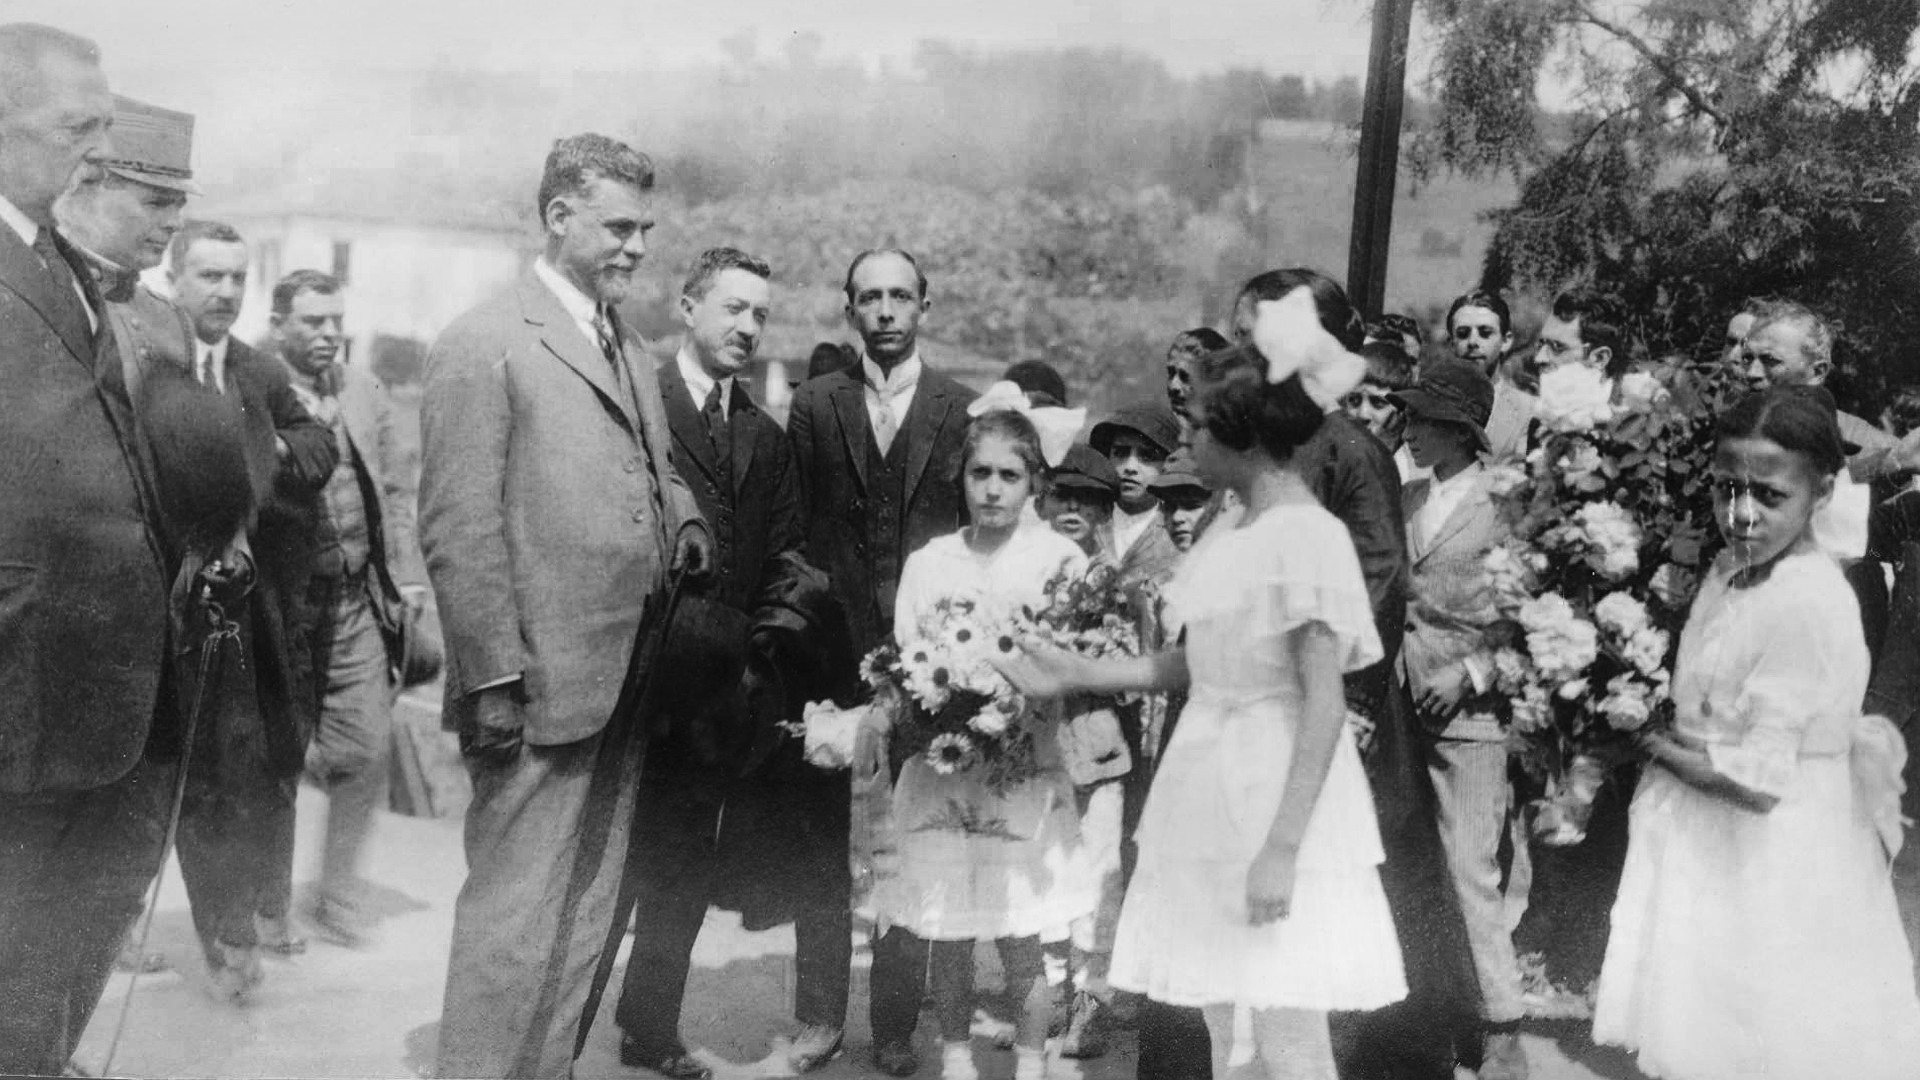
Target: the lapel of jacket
pixel 925 417
pixel 688 426
pixel 743 433
pixel 22 272
pixel 1412 498
pixel 562 337
pixel 1464 513
pixel 849 404
pixel 643 409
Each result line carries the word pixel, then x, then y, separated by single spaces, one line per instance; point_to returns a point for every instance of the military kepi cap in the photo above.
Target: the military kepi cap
pixel 151 145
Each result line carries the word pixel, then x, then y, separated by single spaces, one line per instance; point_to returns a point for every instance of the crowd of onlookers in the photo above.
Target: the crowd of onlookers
pixel 1296 801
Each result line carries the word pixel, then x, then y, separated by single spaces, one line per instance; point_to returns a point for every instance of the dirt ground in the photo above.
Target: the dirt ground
pixel 333 1012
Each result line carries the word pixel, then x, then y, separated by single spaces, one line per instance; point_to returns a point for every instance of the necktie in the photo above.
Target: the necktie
pixel 717 431
pixel 887 422
pixel 606 328
pixel 66 286
pixel 203 369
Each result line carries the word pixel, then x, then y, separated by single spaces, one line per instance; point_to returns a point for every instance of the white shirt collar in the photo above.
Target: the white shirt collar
pixel 1129 528
pixel 216 355
pixel 699 383
pixel 19 222
pixel 905 374
pixel 583 308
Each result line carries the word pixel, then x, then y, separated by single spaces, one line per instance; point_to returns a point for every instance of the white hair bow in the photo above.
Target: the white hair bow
pixel 1288 333
pixel 1058 427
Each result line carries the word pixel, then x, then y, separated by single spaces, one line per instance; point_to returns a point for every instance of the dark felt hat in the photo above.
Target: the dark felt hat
pixel 1178 474
pixel 702 700
pixel 1085 469
pixel 1151 420
pixel 1451 392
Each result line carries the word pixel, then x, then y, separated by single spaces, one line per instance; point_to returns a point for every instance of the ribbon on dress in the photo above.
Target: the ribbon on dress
pixel 1058 427
pixel 1877 755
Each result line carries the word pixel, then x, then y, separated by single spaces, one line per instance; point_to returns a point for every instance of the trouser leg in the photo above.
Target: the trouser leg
pixel 822 963
pixel 1472 800
pixel 352 743
pixel 502 1016
pixel 73 870
pixel 897 984
pixel 672 865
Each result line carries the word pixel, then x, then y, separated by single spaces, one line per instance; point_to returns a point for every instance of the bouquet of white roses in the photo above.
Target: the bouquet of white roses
pixel 1611 519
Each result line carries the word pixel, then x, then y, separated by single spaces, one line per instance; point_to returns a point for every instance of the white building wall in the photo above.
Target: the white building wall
pixel 402 281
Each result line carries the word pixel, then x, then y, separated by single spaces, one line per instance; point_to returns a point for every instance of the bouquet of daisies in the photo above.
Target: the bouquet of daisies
pixel 949 703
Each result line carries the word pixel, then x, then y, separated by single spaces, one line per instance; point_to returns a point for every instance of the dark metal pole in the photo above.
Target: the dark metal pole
pixel 1378 171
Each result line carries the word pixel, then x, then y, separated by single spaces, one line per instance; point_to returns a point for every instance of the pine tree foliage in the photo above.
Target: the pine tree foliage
pixel 1717 150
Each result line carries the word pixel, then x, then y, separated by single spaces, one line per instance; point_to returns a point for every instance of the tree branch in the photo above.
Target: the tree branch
pixel 1687 90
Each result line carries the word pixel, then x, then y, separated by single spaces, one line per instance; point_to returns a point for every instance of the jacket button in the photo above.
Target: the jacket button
pixel 639 515
pixel 629 465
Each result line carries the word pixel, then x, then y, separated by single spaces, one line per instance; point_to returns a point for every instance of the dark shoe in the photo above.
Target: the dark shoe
pixel 1087 1030
pixel 816 1045
pixel 896 1058
pixel 673 1062
pixel 277 936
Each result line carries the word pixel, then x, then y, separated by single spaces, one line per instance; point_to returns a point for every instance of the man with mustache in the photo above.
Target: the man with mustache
pixel 702 819
pixel 551 518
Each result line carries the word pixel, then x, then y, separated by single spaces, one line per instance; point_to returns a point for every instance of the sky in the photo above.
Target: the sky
pixel 1317 38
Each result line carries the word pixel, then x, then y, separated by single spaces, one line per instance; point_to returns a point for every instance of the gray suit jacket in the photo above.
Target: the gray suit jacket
pixel 1452 603
pixel 548 509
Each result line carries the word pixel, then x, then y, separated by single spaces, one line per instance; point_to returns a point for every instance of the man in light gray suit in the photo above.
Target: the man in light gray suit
pixel 1452 523
pixel 549 512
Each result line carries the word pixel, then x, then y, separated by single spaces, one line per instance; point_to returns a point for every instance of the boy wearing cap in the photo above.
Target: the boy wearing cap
pixel 1079 500
pixel 1137 440
pixel 1451 525
pixel 1183 500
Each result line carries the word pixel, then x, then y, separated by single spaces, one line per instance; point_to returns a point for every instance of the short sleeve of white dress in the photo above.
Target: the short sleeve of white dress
pixel 1251 583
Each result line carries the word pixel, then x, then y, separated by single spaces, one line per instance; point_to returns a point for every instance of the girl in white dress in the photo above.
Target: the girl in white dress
pixel 975 864
pixel 1258 882
pixel 1755 933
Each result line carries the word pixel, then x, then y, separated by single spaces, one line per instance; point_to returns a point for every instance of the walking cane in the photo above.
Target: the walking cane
pixel 220 631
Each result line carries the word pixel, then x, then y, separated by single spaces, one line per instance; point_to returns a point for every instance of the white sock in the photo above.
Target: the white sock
pixel 1029 1063
pixel 956 1062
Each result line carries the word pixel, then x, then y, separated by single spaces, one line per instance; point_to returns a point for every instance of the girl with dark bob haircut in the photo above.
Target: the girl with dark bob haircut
pixel 1800 419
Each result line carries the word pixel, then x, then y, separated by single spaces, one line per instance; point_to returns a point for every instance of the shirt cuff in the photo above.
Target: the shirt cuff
pixel 1479 672
pixel 504 680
